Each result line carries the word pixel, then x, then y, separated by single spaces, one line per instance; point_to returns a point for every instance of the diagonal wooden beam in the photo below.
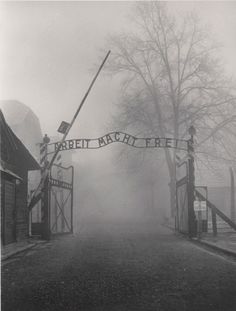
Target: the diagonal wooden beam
pixel 216 210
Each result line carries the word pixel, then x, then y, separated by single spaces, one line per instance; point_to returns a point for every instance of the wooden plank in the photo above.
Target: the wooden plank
pixel 9 207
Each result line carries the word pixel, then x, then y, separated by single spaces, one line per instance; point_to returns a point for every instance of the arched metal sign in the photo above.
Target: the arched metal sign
pixel 121 137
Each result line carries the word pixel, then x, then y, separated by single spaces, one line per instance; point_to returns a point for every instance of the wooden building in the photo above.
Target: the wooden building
pixel 16 161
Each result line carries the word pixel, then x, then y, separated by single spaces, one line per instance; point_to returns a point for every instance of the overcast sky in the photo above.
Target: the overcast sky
pixel 49 48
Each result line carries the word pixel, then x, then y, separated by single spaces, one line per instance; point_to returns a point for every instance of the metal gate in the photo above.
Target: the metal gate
pixel 182 200
pixel 61 199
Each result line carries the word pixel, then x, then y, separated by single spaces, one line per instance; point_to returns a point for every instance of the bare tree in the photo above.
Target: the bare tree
pixel 172 78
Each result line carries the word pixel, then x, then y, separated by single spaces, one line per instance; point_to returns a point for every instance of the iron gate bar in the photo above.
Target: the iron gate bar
pixel 61 211
pixel 60 184
pixel 68 186
pixel 72 198
pixel 184 200
pixel 57 216
pixel 65 201
pixel 179 165
pixel 182 181
pixel 65 168
pixel 181 199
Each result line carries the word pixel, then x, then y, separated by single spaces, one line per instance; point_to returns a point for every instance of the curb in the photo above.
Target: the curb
pixel 215 247
pixel 169 226
pixel 207 244
pixel 15 252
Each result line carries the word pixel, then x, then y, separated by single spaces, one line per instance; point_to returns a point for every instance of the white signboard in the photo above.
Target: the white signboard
pixel 200 206
pixel 203 205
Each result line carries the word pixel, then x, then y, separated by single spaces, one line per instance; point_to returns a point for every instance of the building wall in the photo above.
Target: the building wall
pixel 22 213
pixel 8 208
pixel 17 160
pixel 25 124
pixel 19 215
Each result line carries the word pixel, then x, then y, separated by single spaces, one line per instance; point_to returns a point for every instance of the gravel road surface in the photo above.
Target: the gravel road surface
pixel 119 267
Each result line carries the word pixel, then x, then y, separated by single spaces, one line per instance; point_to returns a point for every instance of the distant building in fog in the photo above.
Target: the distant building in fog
pixel 24 123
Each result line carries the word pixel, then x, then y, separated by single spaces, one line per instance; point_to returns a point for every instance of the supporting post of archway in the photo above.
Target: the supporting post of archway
pixel 45 216
pixel 191 214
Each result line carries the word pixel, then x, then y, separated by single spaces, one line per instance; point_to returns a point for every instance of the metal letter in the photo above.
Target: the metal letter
pixel 168 143
pixel 109 139
pixel 157 142
pixel 117 134
pixel 71 144
pixel 147 141
pixel 126 139
pixel 101 142
pixel 77 144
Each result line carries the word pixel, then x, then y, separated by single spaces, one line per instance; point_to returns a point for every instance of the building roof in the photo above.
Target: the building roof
pixel 9 172
pixel 15 112
pixel 18 146
pixel 24 123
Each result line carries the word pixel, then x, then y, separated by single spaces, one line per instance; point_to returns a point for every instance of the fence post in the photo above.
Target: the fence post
pixel 72 198
pixel 232 194
pixel 199 224
pixel 214 224
pixel 191 213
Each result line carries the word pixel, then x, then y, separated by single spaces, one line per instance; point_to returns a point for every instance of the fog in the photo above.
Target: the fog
pixel 48 55
pixel 108 191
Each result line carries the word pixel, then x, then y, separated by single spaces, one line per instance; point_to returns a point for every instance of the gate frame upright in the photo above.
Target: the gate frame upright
pixel 45 220
pixel 190 187
pixel 46 234
pixel 47 191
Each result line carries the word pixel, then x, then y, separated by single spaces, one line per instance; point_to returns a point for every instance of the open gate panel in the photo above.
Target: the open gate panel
pixel 61 199
pixel 182 206
pixel 182 217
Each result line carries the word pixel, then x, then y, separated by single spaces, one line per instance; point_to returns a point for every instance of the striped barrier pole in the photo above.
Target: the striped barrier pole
pixel 45 190
pixel 66 129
